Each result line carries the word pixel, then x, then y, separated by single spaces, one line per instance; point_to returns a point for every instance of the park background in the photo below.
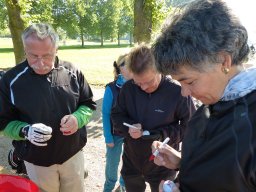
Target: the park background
pixel 93 33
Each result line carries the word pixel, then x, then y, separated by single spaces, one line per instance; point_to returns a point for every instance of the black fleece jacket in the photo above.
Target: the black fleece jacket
pixel 164 113
pixel 28 97
pixel 219 148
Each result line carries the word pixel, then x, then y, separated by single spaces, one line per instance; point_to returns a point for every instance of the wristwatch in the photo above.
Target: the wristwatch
pixel 24 131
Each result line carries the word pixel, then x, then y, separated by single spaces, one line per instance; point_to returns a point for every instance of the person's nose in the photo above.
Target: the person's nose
pixel 40 61
pixel 144 87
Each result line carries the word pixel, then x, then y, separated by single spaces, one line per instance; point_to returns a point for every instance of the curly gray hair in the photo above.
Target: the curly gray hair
pixel 197 35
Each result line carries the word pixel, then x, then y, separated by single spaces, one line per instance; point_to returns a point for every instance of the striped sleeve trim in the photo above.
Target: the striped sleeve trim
pixel 13 81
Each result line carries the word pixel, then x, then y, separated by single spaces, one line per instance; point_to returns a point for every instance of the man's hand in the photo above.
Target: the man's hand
pixel 167 157
pixel 135 133
pixel 68 125
pixel 38 134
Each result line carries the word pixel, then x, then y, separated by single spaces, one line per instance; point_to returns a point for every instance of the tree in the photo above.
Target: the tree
pixel 125 21
pixel 86 19
pixel 142 21
pixel 39 11
pixel 107 14
pixel 63 19
pixel 3 15
pixel 161 9
pixel 16 25
pixel 148 17
pixel 74 16
pixel 108 19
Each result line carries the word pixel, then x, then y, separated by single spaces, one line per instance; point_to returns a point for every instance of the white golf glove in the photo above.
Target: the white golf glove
pixel 38 134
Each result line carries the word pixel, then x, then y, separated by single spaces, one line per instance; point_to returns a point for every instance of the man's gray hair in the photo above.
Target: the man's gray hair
pixel 41 31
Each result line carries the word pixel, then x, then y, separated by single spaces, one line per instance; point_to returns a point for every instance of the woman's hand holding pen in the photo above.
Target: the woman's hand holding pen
pixel 167 157
pixel 135 133
pixel 68 125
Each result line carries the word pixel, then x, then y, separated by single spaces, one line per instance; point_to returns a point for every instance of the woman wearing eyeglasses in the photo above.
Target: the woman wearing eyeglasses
pixel 113 139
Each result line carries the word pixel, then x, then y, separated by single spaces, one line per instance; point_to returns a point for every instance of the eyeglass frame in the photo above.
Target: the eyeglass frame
pixel 149 83
pixel 44 58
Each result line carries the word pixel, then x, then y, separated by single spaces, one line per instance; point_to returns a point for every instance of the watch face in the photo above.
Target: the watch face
pixel 24 131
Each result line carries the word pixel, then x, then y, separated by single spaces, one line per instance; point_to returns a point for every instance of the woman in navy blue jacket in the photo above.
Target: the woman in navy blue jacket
pixel 114 142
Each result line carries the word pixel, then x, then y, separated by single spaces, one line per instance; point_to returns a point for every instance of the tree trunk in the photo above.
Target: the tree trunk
pixel 131 36
pixel 142 21
pixel 16 25
pixel 101 38
pixel 82 36
pixel 118 38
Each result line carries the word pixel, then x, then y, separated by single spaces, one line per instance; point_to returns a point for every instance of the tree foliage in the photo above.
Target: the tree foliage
pixel 73 16
pixel 148 16
pixel 106 13
pixel 160 11
pixel 3 15
pixel 125 21
pixel 86 19
pixel 38 11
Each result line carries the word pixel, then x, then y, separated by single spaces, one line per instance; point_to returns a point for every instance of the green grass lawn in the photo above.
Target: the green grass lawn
pixel 96 62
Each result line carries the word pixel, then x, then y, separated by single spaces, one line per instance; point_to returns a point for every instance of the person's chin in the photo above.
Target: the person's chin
pixel 148 91
pixel 151 90
pixel 206 101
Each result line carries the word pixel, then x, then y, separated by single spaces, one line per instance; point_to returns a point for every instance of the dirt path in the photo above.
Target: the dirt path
pixel 94 151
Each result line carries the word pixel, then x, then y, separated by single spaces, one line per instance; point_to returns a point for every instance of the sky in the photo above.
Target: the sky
pixel 246 10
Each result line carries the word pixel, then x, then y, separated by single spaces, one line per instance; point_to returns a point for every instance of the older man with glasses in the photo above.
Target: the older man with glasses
pixel 154 109
pixel 45 105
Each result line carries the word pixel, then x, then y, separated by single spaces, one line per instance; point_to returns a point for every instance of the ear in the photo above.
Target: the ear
pixel 226 60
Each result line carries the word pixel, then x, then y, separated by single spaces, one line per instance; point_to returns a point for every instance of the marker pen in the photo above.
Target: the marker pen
pixel 151 158
pixel 129 125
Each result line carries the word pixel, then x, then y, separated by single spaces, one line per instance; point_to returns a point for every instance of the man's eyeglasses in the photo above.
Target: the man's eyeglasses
pixel 45 58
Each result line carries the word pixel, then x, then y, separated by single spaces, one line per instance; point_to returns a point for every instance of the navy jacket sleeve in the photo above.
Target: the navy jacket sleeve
pixel 7 110
pixel 175 130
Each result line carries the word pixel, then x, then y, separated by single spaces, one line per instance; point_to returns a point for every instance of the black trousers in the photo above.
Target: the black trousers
pixel 136 183
pixel 135 177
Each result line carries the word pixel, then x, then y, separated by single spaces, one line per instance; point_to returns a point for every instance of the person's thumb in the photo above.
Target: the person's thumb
pixel 161 186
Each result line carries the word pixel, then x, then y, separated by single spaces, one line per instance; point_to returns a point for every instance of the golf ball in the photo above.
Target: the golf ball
pixel 168 186
pixel 145 132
